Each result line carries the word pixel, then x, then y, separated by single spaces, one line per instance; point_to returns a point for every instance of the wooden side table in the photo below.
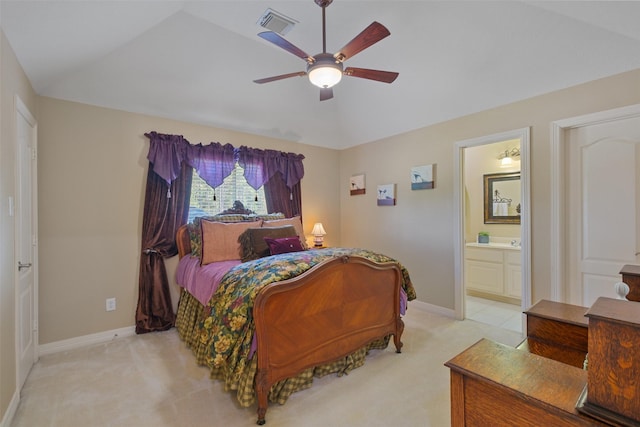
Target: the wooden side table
pixel 557 331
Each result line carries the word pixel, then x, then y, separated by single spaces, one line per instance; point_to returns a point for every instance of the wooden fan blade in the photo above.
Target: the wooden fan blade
pixel 377 75
pixel 370 35
pixel 326 93
pixel 280 77
pixel 284 44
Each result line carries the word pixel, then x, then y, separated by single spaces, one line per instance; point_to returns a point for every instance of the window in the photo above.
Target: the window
pixel 233 188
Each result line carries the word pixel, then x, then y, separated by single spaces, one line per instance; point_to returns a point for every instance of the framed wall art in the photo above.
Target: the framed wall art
pixel 386 195
pixel 357 185
pixel 423 177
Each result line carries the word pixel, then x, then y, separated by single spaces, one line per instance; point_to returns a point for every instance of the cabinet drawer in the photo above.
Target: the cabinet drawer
pixel 481 254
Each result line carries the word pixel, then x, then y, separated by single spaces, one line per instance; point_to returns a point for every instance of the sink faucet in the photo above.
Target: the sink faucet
pixel 514 243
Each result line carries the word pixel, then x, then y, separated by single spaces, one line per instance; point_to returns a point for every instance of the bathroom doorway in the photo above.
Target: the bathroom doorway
pixel 492 196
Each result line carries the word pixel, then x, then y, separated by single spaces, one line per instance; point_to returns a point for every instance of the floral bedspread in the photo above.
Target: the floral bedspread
pixel 227 328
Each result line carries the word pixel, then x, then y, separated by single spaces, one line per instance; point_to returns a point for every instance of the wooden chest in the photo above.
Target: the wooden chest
pixel 612 392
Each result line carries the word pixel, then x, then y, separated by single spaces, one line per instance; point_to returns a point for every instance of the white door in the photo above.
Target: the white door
pixel 26 251
pixel 602 206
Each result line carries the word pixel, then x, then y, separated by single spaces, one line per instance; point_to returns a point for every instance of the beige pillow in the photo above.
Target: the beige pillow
pixel 220 240
pixel 295 221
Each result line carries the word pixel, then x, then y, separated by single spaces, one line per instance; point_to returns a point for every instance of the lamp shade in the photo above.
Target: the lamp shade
pixel 318 229
pixel 506 161
pixel 318 235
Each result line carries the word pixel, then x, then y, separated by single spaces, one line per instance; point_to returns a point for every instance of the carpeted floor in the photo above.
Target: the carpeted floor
pixel 152 380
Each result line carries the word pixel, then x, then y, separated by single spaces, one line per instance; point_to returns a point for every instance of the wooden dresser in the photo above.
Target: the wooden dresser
pixel 542 383
pixel 612 393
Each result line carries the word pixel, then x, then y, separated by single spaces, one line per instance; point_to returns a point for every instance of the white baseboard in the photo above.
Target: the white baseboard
pixel 11 410
pixel 85 340
pixel 432 308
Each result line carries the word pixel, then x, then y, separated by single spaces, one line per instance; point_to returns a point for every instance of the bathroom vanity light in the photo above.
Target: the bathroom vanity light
pixel 506 158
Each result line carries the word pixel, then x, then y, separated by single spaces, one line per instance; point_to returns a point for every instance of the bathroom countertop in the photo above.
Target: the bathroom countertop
pixel 492 245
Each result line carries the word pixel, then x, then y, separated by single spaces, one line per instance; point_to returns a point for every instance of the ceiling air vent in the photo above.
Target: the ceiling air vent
pixel 276 22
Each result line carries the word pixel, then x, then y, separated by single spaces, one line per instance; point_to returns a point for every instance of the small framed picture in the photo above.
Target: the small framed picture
pixel 356 185
pixel 423 177
pixel 386 195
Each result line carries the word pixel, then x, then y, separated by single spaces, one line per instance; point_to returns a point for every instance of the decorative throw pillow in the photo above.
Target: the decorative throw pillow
pixel 220 240
pixel 253 245
pixel 271 216
pixel 295 221
pixel 195 229
pixel 284 245
pixel 195 238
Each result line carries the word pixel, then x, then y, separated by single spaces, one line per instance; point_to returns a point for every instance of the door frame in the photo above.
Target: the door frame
pixel 523 135
pixel 559 130
pixel 21 109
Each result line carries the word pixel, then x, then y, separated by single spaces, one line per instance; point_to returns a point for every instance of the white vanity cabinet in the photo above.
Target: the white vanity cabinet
pixel 493 271
pixel 512 273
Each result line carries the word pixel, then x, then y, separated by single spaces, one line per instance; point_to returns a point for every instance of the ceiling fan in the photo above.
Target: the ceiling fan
pixel 325 69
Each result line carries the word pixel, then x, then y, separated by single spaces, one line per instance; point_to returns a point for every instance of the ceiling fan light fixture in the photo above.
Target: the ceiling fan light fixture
pixel 325 72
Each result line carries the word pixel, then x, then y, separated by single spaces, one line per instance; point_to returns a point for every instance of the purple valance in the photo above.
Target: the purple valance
pixel 166 153
pixel 260 166
pixel 214 162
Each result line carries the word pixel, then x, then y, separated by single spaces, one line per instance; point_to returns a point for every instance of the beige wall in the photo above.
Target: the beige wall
pixel 92 172
pixel 13 82
pixel 419 230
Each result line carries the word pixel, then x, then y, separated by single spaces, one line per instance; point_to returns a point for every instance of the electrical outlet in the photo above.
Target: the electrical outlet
pixel 111 304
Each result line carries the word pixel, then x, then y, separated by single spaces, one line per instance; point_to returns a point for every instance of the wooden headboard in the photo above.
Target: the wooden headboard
pixel 183 241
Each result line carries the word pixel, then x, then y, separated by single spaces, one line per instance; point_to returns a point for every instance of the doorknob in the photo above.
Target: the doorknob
pixel 21 265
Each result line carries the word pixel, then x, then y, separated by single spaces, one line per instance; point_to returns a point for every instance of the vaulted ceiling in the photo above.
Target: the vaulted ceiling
pixel 196 60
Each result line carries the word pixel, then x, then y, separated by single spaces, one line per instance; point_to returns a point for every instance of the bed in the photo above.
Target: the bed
pixel 274 322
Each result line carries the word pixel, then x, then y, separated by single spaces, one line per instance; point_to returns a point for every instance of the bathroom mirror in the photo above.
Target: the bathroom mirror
pixel 502 198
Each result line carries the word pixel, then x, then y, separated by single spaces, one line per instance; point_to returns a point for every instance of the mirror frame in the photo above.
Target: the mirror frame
pixel 490 181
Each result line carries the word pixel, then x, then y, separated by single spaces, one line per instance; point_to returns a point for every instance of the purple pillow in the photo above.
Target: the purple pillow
pixel 283 245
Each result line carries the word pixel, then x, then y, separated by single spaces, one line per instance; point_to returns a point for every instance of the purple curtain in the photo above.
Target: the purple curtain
pixel 281 198
pixel 171 162
pixel 162 217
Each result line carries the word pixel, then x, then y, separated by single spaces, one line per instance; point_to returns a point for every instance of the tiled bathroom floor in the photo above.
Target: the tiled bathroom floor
pixel 495 313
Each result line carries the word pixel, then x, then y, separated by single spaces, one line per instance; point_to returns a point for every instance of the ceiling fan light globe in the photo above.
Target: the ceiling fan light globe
pixel 325 76
pixel 325 72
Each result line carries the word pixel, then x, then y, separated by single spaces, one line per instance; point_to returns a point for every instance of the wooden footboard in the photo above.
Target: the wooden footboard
pixel 323 315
